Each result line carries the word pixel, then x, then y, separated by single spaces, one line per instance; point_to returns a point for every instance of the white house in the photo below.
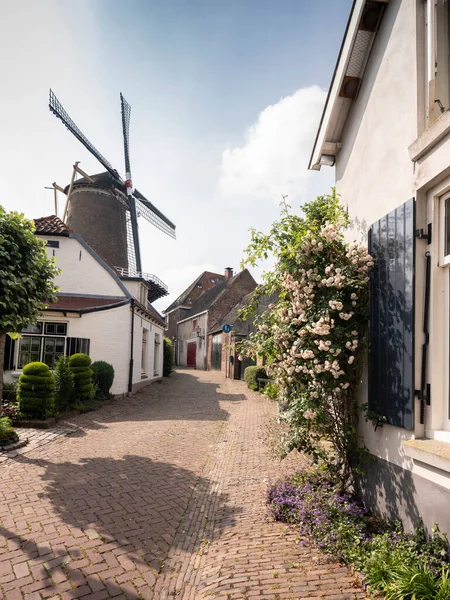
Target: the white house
pixel 98 312
pixel 386 128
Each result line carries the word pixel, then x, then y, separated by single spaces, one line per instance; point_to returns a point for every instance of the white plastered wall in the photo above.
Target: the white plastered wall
pixel 141 323
pixel 186 334
pixel 81 273
pixel 374 173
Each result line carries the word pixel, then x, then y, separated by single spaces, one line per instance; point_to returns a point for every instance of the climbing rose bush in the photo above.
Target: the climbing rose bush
pixel 313 338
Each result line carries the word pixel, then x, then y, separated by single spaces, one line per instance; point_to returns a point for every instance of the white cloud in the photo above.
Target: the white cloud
pixel 274 157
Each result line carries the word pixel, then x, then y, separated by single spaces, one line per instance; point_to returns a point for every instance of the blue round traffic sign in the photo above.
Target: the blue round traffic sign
pixel 226 328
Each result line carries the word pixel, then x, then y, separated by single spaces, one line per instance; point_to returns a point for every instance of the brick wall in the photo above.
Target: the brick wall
pixel 240 287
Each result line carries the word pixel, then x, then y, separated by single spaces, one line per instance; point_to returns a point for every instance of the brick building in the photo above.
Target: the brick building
pixel 210 308
pixel 223 348
pixel 183 304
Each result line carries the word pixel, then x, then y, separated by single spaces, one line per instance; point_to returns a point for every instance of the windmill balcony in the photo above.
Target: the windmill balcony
pixel 157 288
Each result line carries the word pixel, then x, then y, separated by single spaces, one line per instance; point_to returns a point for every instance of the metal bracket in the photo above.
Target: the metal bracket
pixel 421 235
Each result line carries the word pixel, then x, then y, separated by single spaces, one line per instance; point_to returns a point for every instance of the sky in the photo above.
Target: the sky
pixel 226 97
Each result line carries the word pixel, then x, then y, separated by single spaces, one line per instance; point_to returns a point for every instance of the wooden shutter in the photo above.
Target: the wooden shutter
pixel 8 362
pixel 391 354
pixel 75 345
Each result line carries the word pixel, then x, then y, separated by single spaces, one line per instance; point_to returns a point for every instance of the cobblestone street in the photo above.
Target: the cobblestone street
pixel 156 496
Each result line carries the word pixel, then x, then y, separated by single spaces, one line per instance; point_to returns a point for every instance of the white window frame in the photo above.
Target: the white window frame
pixel 437 58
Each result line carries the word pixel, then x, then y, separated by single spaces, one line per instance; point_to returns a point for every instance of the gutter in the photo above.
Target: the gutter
pixel 84 311
pixel 192 317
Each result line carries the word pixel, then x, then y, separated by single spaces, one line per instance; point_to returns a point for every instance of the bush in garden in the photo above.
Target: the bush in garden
pixel 252 374
pixel 271 390
pixel 103 378
pixel 7 433
pixel 80 365
pixel 398 565
pixel 168 357
pixel 36 391
pixel 8 404
pixel 64 386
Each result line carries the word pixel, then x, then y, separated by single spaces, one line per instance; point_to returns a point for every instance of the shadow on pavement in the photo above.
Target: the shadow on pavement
pixel 131 508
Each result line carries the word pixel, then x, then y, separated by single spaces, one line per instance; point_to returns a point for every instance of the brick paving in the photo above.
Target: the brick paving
pixel 158 496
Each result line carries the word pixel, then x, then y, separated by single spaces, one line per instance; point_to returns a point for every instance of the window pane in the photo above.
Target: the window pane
pixel 61 328
pixel 29 350
pixel 33 328
pixel 50 327
pixel 447 228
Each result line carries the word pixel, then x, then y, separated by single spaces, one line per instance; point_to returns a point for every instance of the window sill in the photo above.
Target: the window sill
pixel 435 453
pixel 430 137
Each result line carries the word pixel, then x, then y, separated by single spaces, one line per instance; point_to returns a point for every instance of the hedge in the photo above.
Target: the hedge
pixel 167 357
pixel 252 374
pixel 80 365
pixel 36 391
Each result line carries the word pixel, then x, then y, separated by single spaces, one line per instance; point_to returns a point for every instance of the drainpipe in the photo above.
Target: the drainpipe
pixel 205 359
pixel 130 372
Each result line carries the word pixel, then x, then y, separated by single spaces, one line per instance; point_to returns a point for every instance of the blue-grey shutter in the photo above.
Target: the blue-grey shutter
pixel 391 353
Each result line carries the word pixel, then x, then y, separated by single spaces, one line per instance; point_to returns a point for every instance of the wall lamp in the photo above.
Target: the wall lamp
pixel 198 331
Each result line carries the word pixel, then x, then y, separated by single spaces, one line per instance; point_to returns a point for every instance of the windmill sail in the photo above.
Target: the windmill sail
pixel 58 110
pixel 153 215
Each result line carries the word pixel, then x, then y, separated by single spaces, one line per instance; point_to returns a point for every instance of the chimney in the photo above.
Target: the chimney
pixel 228 273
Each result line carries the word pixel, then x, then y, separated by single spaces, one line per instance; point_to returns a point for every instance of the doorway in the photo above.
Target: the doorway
pixel 192 354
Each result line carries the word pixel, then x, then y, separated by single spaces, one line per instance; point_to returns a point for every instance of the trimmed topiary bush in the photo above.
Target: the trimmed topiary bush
pixel 103 378
pixel 64 387
pixel 80 365
pixel 36 391
pixel 252 374
pixel 168 357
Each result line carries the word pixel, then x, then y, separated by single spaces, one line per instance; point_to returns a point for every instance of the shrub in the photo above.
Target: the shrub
pixel 252 374
pixel 103 378
pixel 168 357
pixel 401 566
pixel 271 390
pixel 35 391
pixel 80 365
pixel 7 433
pixel 64 387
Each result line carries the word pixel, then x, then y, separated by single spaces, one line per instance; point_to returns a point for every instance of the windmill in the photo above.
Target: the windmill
pixel 104 208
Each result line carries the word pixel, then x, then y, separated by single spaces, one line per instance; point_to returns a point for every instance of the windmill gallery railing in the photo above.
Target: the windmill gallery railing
pixel 158 287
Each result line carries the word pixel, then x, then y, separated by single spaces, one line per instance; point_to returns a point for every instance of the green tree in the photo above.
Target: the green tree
pixel 26 277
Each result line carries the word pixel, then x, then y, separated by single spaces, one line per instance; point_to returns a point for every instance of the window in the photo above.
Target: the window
pixel 437 56
pixel 55 328
pixel 29 350
pixel 144 354
pixel 45 342
pixel 53 348
pixel 156 355
pixel 194 324
pixel 444 261
pixel 52 243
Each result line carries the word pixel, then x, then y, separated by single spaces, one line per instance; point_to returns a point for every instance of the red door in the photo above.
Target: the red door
pixel 191 354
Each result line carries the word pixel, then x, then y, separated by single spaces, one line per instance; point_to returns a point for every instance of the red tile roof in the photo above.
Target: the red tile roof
pixel 82 303
pixel 51 225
